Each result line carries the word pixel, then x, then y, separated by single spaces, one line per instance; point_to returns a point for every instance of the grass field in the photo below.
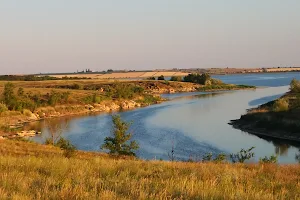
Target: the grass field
pixel 125 75
pixel 33 171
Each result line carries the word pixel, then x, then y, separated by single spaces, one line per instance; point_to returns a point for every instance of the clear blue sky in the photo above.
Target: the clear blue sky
pixel 66 35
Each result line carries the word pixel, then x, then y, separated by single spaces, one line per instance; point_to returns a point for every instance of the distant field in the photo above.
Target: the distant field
pixel 123 75
pixel 143 75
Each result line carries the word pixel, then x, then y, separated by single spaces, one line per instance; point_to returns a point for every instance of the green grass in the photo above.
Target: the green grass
pixel 32 171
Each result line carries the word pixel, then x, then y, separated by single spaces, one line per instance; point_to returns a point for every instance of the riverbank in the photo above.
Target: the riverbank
pixel 34 171
pixel 279 119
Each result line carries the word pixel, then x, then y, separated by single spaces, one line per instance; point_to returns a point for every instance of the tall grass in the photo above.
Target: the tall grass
pixel 97 176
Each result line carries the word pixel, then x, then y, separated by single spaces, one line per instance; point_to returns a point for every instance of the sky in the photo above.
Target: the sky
pixel 69 35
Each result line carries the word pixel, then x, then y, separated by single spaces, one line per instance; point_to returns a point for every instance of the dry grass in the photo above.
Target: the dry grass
pixel 46 174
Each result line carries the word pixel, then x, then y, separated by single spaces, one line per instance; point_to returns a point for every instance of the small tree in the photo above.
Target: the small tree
pixel 161 78
pixel 9 97
pixel 271 159
pixel 68 148
pixel 207 157
pixel 242 156
pixel 151 78
pixel 221 157
pixel 176 78
pixel 203 79
pixel 119 144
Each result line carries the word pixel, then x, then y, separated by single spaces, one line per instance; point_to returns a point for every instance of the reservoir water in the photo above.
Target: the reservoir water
pixel 191 123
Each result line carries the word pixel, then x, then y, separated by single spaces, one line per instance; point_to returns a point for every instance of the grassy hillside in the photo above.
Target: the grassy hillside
pixel 33 171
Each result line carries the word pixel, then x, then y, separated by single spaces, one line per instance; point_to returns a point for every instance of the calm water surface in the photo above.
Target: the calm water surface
pixel 194 123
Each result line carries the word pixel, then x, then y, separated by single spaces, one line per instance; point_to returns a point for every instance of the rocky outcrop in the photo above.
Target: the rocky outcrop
pixel 30 133
pixel 129 105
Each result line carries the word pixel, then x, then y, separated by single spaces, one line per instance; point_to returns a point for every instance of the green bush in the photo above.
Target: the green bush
pixel 176 78
pixel 27 113
pixel 149 99
pixel 9 97
pixel 295 86
pixel 20 92
pixel 138 89
pixel 271 159
pixel 64 144
pixel 57 97
pixel 75 86
pixel 119 144
pixel 242 155
pixel 3 107
pixel 221 157
pixel 166 82
pixel 281 105
pixel 203 79
pixel 151 78
pixel 207 157
pixel 161 78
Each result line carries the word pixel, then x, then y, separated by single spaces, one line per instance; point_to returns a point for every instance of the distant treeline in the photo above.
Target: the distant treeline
pixel 35 78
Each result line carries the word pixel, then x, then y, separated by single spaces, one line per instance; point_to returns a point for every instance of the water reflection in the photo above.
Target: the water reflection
pixel 262 100
pixel 281 146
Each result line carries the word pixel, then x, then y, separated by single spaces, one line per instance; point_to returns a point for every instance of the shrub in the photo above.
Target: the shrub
pixel 119 144
pixel 166 82
pixel 161 78
pixel 48 141
pixel 138 89
pixel 221 157
pixel 151 78
pixel 75 86
pixel 176 78
pixel 123 91
pixel 69 149
pixel 56 97
pixel 97 99
pixel 207 157
pixel 216 82
pixel 280 105
pixel 64 144
pixel 25 103
pixel 149 99
pixel 203 79
pixel 20 91
pixel 3 107
pixel 9 97
pixel 242 155
pixel 271 159
pixel 27 112
pixel 295 86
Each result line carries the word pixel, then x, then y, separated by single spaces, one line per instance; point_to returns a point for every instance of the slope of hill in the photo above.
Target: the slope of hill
pixel 33 171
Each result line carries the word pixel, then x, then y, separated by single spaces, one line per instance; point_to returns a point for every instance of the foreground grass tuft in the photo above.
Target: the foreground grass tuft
pixel 28 171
